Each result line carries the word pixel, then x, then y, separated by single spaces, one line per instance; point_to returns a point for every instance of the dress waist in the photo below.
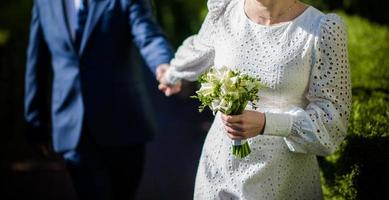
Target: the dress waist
pixel 279 104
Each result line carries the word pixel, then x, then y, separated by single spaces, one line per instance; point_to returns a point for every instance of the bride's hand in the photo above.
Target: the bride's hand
pixel 247 125
pixel 163 86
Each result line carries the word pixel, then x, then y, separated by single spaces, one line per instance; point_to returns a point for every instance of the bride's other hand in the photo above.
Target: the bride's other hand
pixel 247 125
pixel 163 86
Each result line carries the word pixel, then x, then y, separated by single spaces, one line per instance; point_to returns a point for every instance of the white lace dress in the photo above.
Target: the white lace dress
pixel 304 65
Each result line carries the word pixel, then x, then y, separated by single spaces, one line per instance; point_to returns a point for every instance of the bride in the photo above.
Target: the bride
pixel 300 54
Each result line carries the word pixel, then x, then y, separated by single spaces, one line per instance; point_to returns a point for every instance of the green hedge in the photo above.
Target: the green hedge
pixel 375 10
pixel 4 35
pixel 368 48
pixel 358 170
pixel 180 18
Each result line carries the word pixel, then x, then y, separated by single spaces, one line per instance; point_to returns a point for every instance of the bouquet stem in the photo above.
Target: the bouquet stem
pixel 240 150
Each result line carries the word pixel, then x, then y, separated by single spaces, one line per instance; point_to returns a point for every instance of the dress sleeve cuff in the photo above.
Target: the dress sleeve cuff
pixel 278 124
pixel 170 77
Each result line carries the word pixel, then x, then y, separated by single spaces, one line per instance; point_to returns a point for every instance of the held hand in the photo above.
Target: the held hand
pixel 43 149
pixel 165 87
pixel 161 70
pixel 247 125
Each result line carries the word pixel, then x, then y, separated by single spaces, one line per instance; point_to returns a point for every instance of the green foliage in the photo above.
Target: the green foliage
pixel 374 10
pixel 370 115
pixel 342 187
pixel 368 50
pixel 4 35
pixel 180 18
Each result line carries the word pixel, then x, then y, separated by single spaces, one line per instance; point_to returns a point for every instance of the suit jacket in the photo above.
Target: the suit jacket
pixel 98 84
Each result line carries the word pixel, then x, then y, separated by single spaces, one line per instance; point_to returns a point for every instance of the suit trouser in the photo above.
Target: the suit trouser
pixel 105 172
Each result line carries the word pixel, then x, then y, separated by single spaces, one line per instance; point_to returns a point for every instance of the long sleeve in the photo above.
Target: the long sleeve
pixel 35 76
pixel 322 125
pixel 197 53
pixel 148 36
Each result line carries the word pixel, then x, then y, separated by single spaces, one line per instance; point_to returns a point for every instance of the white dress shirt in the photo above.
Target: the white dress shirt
pixel 72 6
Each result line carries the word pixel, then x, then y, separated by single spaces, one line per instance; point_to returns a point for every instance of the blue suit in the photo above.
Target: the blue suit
pixel 98 84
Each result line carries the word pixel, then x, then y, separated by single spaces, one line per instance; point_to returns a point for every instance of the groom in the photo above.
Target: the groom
pixel 99 118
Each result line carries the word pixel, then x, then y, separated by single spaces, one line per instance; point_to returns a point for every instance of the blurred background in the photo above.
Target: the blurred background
pixel 358 170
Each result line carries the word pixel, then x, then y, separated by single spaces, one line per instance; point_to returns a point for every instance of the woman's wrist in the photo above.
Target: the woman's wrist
pixel 278 124
pixel 263 124
pixel 170 78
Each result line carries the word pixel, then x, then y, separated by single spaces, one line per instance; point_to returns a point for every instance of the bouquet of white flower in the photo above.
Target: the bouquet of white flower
pixel 229 92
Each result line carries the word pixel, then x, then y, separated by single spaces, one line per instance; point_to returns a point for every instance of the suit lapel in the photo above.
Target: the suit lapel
pixel 96 10
pixel 59 11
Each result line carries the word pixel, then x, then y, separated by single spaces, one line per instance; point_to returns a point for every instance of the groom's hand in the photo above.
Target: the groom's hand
pixel 166 88
pixel 42 149
pixel 161 70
